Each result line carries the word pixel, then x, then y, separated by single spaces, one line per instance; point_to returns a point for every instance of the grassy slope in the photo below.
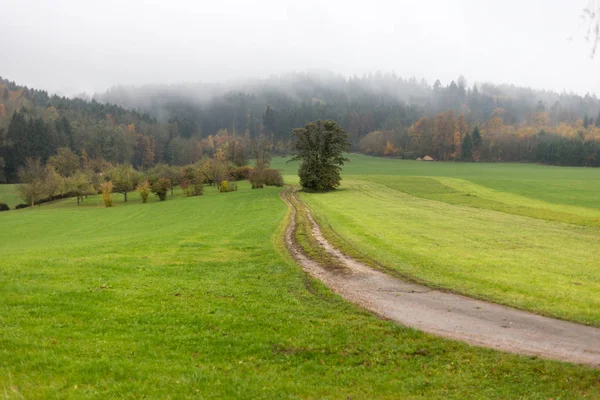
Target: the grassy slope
pixel 9 196
pixel 460 241
pixel 197 298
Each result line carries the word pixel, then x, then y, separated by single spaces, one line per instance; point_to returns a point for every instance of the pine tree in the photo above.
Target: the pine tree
pixel 586 122
pixel 597 123
pixel 476 138
pixel 467 148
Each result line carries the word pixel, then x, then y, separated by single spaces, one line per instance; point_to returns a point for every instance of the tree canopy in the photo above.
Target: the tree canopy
pixel 320 146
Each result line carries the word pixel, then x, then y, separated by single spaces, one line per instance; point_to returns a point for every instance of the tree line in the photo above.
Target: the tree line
pixel 67 174
pixel 383 115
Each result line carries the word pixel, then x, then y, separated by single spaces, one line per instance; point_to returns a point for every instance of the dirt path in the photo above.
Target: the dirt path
pixel 445 314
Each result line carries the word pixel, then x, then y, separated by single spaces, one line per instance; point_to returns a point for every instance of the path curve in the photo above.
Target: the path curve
pixel 445 314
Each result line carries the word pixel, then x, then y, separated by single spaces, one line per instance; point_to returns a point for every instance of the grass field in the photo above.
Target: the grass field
pixel 518 234
pixel 9 195
pixel 197 298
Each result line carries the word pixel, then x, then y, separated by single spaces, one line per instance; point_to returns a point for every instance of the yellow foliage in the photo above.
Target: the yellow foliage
pixel 494 125
pixel 107 188
pixel 2 111
pixel 390 149
pixel 144 190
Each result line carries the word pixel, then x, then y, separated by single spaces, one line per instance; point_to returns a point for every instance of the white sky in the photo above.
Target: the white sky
pixel 72 46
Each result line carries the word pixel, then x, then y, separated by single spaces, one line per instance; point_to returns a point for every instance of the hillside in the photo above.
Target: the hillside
pixel 387 115
pixel 34 124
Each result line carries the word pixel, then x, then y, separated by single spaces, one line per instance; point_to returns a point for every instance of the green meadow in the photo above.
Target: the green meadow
pixel 198 298
pixel 518 234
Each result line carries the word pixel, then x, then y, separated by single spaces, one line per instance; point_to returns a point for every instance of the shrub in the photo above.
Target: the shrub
pixel 241 173
pixel 227 186
pixel 191 180
pixel 107 188
pixel 191 188
pixel 272 177
pixel 160 188
pixel 144 190
pixel 4 207
pixel 256 178
pixel 22 205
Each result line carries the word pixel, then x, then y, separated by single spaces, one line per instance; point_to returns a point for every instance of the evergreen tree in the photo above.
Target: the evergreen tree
pixel 597 123
pixel 476 138
pixel 586 122
pixel 467 148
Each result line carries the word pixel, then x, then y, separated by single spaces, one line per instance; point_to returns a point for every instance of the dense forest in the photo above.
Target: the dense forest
pixel 387 115
pixel 384 115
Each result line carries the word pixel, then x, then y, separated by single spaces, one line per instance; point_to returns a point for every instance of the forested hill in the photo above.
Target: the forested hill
pixel 34 124
pixel 383 114
pixel 379 110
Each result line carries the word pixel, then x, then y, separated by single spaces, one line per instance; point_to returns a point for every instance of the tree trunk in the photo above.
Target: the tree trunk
pixel 125 194
pixel 78 199
pixel 171 190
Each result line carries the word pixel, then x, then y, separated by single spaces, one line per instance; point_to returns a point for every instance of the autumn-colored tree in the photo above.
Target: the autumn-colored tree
pixel 477 143
pixel 143 189
pixel 191 181
pixel 54 182
pixel 162 170
pixel 421 133
pixel 65 161
pixel 443 134
pixel 107 188
pixel 80 184
pixel 144 151
pixel 390 150
pixel 124 178
pixel 160 188
pixel 2 111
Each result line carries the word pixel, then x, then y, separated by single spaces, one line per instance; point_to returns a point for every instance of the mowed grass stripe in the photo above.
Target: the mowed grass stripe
pixel 546 267
pixel 571 186
pixel 197 298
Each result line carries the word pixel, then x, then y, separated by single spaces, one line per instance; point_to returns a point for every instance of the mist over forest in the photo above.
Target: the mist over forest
pixel 361 104
pixel 384 115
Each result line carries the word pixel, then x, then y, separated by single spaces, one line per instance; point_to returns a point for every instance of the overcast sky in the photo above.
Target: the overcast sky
pixel 72 46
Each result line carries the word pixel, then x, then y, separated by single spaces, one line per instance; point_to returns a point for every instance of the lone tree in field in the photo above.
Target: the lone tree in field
pixel 321 146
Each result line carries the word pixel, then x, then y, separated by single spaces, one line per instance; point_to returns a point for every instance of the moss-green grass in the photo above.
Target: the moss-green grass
pixel 485 230
pixel 9 195
pixel 197 298
pixel 572 186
